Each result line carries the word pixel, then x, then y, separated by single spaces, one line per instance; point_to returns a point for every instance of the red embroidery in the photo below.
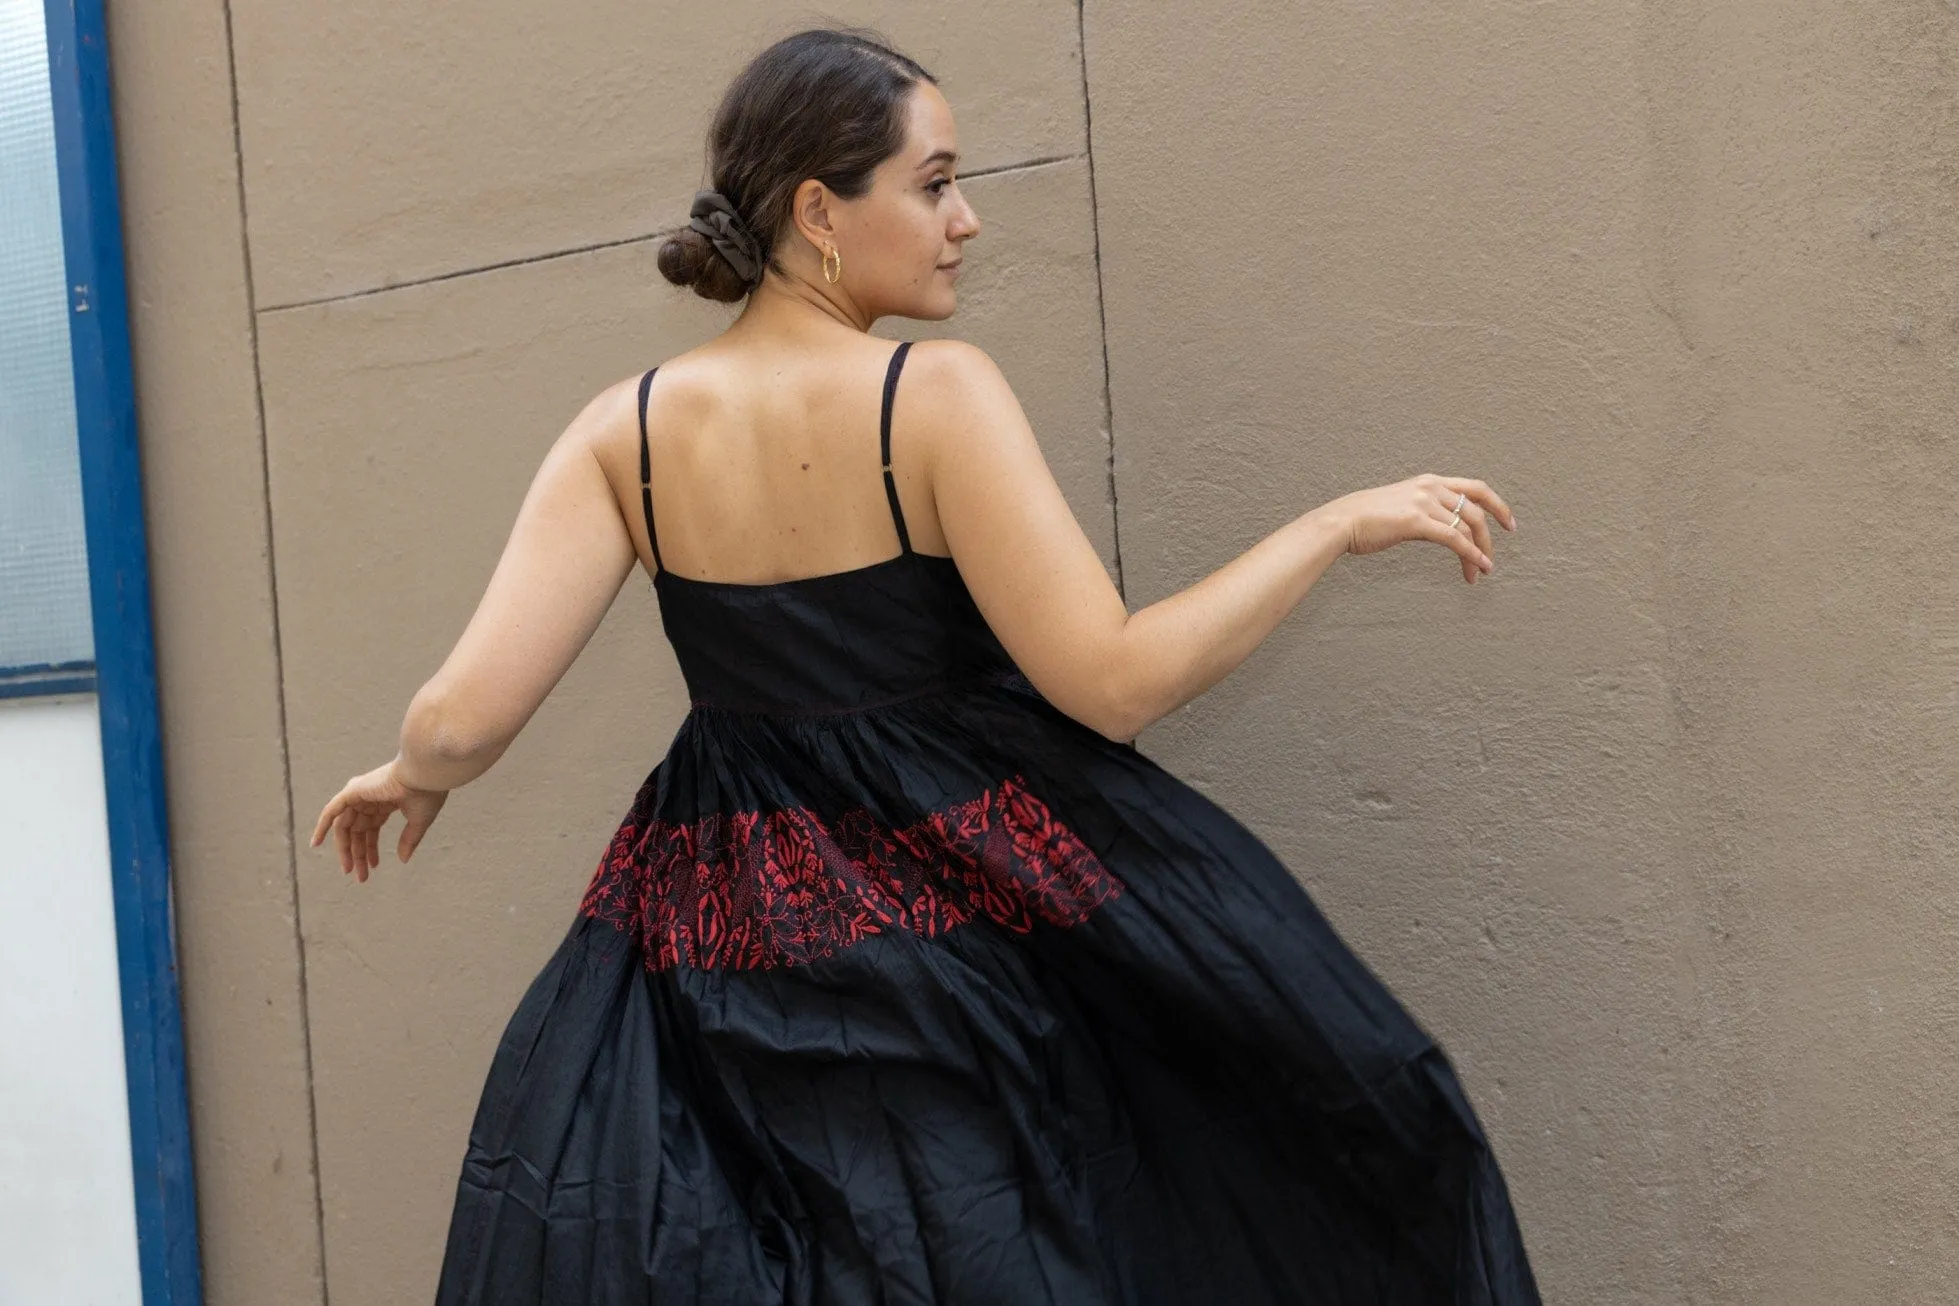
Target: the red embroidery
pixel 753 889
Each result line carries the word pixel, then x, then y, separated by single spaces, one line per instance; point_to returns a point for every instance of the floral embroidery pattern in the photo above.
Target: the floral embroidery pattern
pixel 782 888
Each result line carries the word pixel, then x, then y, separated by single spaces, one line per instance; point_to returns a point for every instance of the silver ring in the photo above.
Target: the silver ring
pixel 1461 499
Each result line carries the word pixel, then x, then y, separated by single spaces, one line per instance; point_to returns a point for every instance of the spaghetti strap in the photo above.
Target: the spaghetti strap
pixel 646 472
pixel 884 444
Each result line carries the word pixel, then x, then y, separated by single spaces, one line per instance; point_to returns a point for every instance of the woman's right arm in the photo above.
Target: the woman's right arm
pixel 1041 586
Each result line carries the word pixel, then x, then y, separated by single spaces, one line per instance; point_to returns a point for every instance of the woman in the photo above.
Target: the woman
pixel 906 978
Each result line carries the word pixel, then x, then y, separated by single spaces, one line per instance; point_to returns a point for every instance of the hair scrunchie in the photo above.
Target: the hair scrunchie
pixel 714 217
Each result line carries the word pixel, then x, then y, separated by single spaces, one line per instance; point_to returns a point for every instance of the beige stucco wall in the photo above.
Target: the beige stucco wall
pixel 1653 828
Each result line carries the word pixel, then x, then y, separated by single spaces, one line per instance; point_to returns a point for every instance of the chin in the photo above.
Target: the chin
pixel 936 308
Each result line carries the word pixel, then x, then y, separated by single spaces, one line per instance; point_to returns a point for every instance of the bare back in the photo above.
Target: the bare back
pixel 763 465
pixel 766 468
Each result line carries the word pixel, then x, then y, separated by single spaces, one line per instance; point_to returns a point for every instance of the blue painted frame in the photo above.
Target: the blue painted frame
pixel 125 653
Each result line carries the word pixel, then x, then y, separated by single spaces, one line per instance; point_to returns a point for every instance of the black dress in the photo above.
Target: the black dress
pixel 897 985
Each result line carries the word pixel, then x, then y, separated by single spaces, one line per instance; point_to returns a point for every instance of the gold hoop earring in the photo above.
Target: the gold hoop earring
pixel 829 276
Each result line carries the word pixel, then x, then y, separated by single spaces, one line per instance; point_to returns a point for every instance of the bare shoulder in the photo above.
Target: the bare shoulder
pixel 956 370
pixel 608 425
pixel 959 395
pixel 944 350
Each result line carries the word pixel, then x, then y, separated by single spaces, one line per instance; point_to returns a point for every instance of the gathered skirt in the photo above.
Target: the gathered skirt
pixel 955 1001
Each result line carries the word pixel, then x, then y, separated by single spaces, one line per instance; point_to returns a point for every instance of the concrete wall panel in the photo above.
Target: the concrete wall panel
pixel 1628 825
pixel 388 143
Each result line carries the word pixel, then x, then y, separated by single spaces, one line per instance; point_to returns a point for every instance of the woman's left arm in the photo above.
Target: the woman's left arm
pixel 568 554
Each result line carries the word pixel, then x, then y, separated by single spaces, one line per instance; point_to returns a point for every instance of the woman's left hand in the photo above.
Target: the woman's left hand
pixel 363 806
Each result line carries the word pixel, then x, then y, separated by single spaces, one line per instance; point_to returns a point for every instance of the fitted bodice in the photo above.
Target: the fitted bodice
pixel 838 642
pixel 833 643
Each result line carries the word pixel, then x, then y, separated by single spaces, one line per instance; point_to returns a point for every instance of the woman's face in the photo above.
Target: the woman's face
pixel 901 241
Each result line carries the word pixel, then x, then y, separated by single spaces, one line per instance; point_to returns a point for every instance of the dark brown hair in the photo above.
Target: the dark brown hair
pixel 827 103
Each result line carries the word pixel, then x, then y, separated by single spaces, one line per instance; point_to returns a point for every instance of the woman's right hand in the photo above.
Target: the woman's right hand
pixel 1420 508
pixel 356 814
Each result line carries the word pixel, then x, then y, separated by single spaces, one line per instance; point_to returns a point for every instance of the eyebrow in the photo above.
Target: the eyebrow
pixel 939 156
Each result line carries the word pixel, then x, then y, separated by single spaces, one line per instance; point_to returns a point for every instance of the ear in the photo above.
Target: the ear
pixel 809 213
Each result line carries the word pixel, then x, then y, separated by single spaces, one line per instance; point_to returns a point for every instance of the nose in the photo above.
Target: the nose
pixel 966 225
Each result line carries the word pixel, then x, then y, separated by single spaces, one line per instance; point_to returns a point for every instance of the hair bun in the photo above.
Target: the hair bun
pixel 714 217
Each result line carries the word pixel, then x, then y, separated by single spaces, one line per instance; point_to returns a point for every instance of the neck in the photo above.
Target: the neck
pixel 788 302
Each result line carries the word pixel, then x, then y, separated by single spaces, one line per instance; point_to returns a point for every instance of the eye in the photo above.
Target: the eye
pixel 942 181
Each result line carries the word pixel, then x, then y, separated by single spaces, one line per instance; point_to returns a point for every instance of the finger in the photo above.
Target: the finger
pixel 1471 568
pixel 357 820
pixel 1481 493
pixel 1455 537
pixel 327 814
pixel 1478 521
pixel 357 843
pixel 1452 507
pixel 342 841
pixel 411 839
pixel 1465 515
pixel 374 849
